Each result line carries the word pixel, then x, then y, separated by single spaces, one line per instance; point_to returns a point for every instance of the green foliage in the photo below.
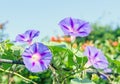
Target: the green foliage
pixel 81 81
pixel 102 33
pixel 62 56
pixel 67 65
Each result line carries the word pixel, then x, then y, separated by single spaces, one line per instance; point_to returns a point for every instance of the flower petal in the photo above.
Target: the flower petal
pixel 27 36
pixel 75 27
pixel 31 60
pixel 96 57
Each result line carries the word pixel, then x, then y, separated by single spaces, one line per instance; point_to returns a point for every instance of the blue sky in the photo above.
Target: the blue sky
pixel 44 15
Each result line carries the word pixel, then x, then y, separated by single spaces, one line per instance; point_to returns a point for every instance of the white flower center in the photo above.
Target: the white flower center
pixel 73 30
pixel 36 57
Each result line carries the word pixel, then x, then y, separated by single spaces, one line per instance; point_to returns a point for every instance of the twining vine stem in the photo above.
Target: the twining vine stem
pixel 21 62
pixel 11 61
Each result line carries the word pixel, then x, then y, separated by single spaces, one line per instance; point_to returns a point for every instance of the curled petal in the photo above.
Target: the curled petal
pixel 96 57
pixel 27 36
pixel 107 70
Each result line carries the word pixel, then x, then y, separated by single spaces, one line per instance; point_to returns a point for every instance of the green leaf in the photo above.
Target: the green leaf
pixel 116 65
pixel 81 60
pixel 62 56
pixel 81 81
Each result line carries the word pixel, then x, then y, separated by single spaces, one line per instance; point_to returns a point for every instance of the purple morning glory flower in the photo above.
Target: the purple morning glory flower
pixel 95 58
pixel 37 57
pixel 103 77
pixel 107 70
pixel 75 27
pixel 27 36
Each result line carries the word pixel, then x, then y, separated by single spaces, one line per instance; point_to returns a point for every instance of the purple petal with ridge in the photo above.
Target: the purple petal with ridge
pixel 71 22
pixel 41 64
pixel 96 57
pixel 75 27
pixel 27 36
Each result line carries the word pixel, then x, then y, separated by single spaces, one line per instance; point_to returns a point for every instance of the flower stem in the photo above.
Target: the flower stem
pixel 7 71
pixel 11 61
pixel 54 73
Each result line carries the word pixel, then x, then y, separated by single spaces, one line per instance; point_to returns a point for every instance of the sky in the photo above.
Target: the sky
pixel 44 15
